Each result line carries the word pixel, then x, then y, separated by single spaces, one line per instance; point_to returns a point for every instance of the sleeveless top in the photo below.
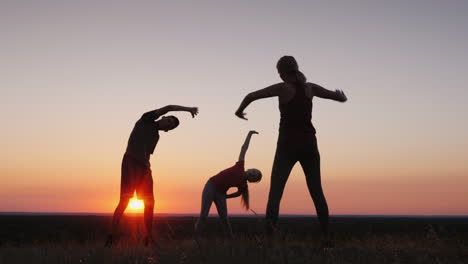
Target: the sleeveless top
pixel 296 119
pixel 230 177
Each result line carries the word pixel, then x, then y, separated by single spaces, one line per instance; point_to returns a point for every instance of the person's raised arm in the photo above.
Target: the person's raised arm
pixel 245 146
pixel 270 91
pixel 337 95
pixel 155 114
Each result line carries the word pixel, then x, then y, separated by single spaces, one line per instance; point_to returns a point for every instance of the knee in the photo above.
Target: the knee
pixel 315 189
pixel 319 198
pixel 275 196
pixel 277 188
pixel 124 202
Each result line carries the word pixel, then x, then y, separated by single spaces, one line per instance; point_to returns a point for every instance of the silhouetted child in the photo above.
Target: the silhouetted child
pixel 217 186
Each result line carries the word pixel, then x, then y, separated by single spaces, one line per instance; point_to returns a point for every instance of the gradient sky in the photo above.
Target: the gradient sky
pixel 76 75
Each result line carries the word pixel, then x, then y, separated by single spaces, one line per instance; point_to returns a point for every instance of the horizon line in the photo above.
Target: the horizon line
pixel 25 213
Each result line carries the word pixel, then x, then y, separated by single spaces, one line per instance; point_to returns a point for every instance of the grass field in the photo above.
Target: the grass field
pixel 80 239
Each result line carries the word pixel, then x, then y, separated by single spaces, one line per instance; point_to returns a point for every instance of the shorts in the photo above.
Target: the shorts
pixel 135 177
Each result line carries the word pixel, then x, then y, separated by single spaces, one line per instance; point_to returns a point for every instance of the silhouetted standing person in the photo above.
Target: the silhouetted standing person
pixel 136 172
pixel 296 140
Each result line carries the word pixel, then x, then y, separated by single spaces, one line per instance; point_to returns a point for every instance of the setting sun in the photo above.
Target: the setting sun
pixel 135 204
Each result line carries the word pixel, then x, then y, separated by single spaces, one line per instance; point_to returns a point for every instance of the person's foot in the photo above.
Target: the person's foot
pixel 109 241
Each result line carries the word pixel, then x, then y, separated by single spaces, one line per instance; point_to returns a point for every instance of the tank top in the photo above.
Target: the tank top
pixel 296 118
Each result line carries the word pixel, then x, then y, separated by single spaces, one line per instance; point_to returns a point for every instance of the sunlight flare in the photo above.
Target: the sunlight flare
pixel 135 204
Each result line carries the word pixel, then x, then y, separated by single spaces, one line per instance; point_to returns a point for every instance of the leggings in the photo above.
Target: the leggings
pixel 211 194
pixel 286 156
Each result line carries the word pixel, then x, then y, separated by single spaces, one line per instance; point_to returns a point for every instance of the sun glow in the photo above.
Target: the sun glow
pixel 135 204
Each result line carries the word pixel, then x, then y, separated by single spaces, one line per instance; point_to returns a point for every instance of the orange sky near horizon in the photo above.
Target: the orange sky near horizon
pixel 75 76
pixel 389 182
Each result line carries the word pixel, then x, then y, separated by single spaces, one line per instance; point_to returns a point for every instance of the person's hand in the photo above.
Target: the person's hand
pixel 241 114
pixel 253 132
pixel 193 111
pixel 341 96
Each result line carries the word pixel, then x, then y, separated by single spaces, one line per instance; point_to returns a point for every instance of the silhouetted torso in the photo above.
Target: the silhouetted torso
pixel 143 140
pixel 296 115
pixel 231 177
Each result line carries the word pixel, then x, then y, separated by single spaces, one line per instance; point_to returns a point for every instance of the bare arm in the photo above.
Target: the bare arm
pixel 234 194
pixel 270 91
pixel 245 146
pixel 321 92
pixel 155 114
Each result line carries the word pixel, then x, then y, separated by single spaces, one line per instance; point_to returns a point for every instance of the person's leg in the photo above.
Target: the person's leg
pixel 127 187
pixel 207 200
pixel 123 203
pixel 221 206
pixel 146 191
pixel 310 162
pixel 285 159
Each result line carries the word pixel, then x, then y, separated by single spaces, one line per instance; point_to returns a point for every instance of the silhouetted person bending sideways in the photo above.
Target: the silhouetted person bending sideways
pixel 136 171
pixel 296 140
pixel 216 188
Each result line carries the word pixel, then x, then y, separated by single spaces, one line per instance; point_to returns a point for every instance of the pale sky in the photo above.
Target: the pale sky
pixel 76 75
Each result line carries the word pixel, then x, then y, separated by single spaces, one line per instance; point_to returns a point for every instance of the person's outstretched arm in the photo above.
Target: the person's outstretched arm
pixel 245 146
pixel 337 95
pixel 155 114
pixel 269 91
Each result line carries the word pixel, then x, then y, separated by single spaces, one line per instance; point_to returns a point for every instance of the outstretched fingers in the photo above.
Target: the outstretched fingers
pixel 241 115
pixel 194 111
pixel 341 96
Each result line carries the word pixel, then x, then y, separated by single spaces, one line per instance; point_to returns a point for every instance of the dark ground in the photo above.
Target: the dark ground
pixel 80 239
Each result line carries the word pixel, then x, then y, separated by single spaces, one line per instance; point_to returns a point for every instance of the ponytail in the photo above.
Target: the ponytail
pixel 245 198
pixel 289 70
pixel 300 77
